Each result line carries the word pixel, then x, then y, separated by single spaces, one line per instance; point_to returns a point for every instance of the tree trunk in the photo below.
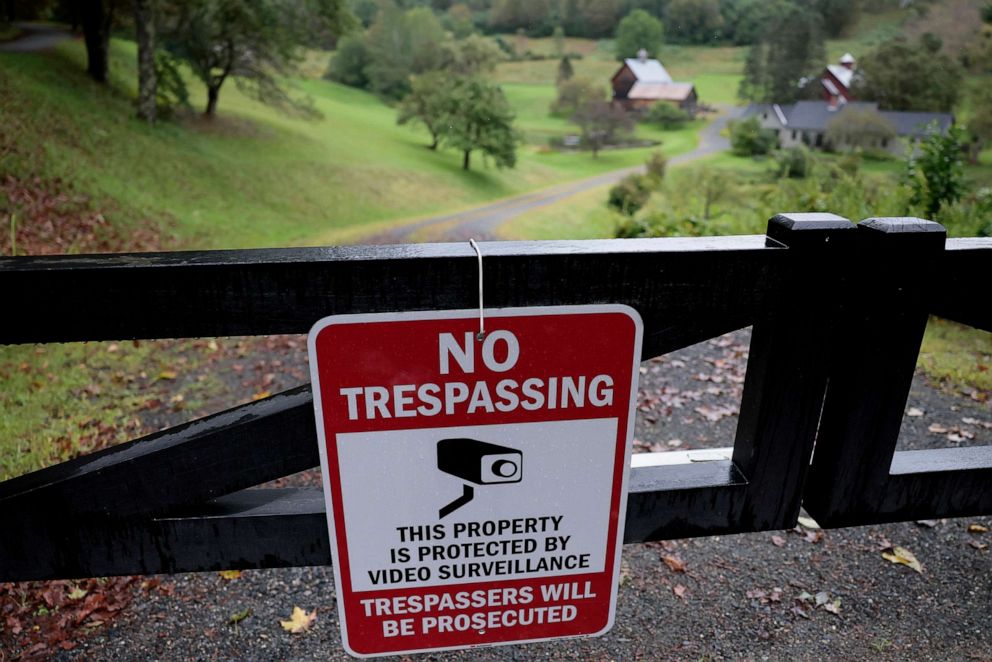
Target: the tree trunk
pixel 212 93
pixel 144 23
pixel 434 141
pixel 96 33
pixel 465 159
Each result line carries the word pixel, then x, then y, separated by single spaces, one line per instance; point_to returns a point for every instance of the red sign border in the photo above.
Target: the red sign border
pixel 495 313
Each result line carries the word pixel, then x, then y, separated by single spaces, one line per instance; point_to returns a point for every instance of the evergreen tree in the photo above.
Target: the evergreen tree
pixel 565 71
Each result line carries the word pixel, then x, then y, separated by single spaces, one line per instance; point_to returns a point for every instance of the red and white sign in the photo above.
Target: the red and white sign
pixel 475 489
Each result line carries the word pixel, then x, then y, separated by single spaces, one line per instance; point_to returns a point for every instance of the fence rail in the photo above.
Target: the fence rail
pixel 837 311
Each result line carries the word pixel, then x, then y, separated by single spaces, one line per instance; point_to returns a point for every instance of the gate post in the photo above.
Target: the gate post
pixel 787 368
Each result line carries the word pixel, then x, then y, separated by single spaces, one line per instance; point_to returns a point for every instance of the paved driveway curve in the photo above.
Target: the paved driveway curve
pixel 481 222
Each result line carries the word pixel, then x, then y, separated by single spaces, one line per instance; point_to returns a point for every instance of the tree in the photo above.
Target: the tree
pixel 836 15
pixel 789 55
pixel 638 30
pixel 602 123
pixel 430 103
pixel 747 138
pixel 558 37
pixel 144 27
pixel 565 71
pixel 483 122
pixel 97 18
pixel 576 93
pixel 401 44
pixel 936 175
pixel 459 21
pixel 863 129
pixel 349 62
pixel 470 56
pixel 694 21
pixel 903 76
pixel 666 116
pixel 745 22
pixel 255 42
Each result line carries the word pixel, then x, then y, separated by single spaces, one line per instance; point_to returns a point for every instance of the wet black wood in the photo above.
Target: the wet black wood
pixel 960 282
pixel 221 293
pixel 786 372
pixel 275 528
pixel 871 371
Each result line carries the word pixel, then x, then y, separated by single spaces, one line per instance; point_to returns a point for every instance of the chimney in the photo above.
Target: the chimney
pixel 642 55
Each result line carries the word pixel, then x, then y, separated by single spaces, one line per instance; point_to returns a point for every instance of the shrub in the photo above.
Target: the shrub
pixel 630 194
pixel 350 61
pixel 795 162
pixel 655 166
pixel 747 138
pixel 666 116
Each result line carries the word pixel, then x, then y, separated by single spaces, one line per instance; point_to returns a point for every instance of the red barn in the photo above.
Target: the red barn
pixel 641 82
pixel 837 79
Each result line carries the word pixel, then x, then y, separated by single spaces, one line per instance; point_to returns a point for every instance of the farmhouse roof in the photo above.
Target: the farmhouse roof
pixel 816 116
pixel 660 91
pixel 648 71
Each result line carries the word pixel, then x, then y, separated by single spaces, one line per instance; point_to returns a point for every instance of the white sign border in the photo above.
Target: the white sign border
pixel 491 313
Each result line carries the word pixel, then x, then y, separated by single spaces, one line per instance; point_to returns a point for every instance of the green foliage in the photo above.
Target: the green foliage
pixel 666 116
pixel 170 91
pixel 794 162
pixel 458 20
pixel 575 93
pixel 904 76
pixel 655 167
pixel 638 30
pixel 936 175
pixel 745 22
pixel 258 43
pixel 980 124
pixel 790 52
pixel 349 62
pixel 528 15
pixel 836 15
pixel 747 138
pixel 630 194
pixel 482 120
pixel 859 129
pixel 694 21
pixel 431 102
pixel 470 56
pixel 558 36
pixel 402 44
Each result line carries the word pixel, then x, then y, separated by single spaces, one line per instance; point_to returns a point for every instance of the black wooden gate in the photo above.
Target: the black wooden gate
pixel 838 314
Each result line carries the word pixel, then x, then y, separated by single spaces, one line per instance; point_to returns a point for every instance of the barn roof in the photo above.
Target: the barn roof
pixel 842 74
pixel 660 91
pixel 648 71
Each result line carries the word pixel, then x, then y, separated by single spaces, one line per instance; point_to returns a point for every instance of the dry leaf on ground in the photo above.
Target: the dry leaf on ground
pixel 977 528
pixel 230 574
pixel 674 563
pixel 903 556
pixel 300 621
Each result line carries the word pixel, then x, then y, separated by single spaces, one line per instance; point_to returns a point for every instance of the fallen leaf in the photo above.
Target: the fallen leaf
pixel 821 598
pixel 261 395
pixel 903 556
pixel 929 523
pixel 679 591
pixel 980 546
pixel 230 574
pixel 77 593
pixel 167 374
pixel 977 528
pixel 937 428
pixel 300 621
pixel 674 563
pixel 799 611
pixel 808 522
pixel 778 541
pixel 833 607
pixel 805 596
pixel 813 537
pixel 914 411
pixel 239 616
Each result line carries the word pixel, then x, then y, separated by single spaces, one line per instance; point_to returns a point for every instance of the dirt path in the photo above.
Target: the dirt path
pixel 750 596
pixel 35 37
pixel 481 222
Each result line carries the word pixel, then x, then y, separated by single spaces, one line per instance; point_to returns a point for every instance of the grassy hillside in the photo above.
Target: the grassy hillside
pixel 253 176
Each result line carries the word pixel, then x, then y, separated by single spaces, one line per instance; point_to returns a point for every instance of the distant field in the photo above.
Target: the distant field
pixel 254 176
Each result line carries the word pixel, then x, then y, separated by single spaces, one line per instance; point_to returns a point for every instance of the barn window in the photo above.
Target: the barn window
pixel 793 134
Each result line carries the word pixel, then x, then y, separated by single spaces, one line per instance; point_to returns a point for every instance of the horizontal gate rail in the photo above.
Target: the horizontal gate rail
pixel 177 500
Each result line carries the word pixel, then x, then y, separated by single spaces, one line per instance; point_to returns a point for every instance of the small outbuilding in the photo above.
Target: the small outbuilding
pixel 641 82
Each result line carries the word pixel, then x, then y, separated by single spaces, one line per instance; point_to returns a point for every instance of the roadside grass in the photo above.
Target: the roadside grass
pixel 956 356
pixel 62 400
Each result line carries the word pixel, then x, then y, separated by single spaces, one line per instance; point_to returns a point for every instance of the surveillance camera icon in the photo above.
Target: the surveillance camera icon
pixel 477 462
